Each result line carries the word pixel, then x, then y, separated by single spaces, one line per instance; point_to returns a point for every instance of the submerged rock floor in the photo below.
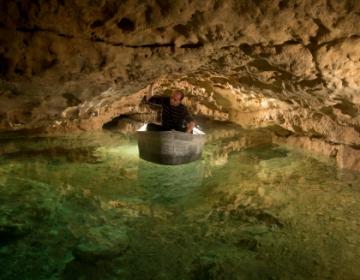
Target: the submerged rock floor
pixel 86 207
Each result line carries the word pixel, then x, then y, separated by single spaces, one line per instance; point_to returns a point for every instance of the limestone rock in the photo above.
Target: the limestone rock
pixel 78 65
pixel 348 158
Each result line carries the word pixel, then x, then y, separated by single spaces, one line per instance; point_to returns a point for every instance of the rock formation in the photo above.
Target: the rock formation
pixel 294 65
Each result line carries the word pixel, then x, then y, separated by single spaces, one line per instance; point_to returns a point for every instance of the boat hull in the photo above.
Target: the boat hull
pixel 170 147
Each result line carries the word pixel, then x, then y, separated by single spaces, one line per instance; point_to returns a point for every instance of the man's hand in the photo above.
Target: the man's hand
pixel 148 95
pixel 190 126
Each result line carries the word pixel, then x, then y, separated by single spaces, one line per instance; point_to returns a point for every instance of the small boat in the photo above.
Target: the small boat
pixel 170 147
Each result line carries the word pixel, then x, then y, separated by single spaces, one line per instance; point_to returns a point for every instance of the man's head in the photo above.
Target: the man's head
pixel 176 98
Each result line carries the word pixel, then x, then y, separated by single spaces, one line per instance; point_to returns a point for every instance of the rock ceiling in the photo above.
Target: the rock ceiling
pixel 69 65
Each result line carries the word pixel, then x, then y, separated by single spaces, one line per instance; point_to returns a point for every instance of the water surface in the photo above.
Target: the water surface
pixel 86 207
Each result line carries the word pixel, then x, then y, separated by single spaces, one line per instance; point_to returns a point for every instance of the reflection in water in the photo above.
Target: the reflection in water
pixel 87 207
pixel 169 185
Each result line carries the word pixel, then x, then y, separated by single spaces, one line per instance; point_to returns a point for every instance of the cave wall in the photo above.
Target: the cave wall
pixel 69 65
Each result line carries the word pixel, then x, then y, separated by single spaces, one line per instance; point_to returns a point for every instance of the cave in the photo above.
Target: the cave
pixel 274 85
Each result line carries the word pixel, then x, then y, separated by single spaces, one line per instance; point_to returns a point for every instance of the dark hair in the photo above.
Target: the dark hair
pixel 180 92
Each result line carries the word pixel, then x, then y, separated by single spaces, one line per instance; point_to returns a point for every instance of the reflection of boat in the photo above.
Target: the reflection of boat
pixel 170 184
pixel 170 147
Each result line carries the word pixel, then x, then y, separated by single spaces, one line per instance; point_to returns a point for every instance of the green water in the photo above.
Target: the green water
pixel 86 207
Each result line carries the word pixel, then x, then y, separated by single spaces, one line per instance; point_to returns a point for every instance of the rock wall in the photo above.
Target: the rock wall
pixel 67 65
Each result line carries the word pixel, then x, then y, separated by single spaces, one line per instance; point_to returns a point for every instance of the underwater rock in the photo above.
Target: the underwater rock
pixel 11 232
pixel 99 243
pixel 97 253
pixel 207 268
pixel 247 243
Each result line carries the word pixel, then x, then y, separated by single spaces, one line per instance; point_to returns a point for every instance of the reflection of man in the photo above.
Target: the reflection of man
pixel 174 115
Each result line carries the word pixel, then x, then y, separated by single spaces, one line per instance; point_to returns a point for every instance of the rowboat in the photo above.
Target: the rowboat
pixel 170 147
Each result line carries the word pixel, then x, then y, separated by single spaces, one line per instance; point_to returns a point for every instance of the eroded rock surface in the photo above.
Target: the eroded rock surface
pixel 77 65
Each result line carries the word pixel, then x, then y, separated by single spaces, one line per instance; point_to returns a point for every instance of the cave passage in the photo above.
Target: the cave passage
pixel 87 207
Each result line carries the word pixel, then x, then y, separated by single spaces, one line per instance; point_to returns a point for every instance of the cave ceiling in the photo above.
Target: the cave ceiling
pixel 71 65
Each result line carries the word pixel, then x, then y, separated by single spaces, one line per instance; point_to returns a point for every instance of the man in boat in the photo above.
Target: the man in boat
pixel 174 114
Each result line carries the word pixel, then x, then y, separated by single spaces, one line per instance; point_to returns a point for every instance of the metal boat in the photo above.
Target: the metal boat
pixel 170 147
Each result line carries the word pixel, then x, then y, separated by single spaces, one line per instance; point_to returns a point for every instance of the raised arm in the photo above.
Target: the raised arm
pixel 150 92
pixel 156 100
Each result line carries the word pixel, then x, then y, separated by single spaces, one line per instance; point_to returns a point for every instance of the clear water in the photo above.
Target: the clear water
pixel 86 207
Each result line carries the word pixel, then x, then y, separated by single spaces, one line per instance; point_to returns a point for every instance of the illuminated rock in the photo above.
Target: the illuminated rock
pixel 77 65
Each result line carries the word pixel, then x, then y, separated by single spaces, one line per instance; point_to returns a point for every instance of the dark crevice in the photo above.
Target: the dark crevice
pixel 355 146
pixel 357 128
pixel 312 134
pixel 322 30
pixel 283 5
pixel 182 29
pixel 150 46
pixel 346 107
pixel 314 46
pixel 126 25
pixel 165 6
pixel 319 75
pixel 279 131
pixel 310 83
pixel 4 64
pixel 29 30
pixel 115 121
pixel 99 40
pixel 334 42
pixel 36 29
pixel 65 35
pixel 149 14
pixel 71 99
pixel 279 48
pixel 262 65
pixel 246 48
pixel 192 46
pixel 97 23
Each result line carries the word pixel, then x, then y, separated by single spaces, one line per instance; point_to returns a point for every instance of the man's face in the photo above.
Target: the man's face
pixel 175 99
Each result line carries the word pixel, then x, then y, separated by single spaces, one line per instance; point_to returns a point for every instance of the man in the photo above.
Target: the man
pixel 174 114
